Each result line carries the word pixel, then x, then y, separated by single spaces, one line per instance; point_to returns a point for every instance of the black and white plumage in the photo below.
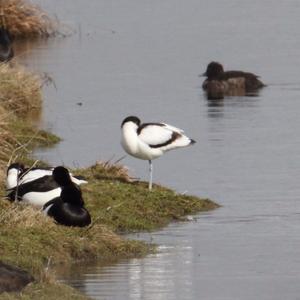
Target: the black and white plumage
pixel 6 49
pixel 151 140
pixel 35 186
pixel 67 209
pixel 18 174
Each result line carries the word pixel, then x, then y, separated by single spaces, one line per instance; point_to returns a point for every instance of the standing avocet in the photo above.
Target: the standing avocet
pixel 151 140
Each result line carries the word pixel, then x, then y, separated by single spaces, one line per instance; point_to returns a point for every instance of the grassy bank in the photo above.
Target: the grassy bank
pixel 32 241
pixel 127 206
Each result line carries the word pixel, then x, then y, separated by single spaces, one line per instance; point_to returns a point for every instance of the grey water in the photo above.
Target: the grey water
pixel 143 58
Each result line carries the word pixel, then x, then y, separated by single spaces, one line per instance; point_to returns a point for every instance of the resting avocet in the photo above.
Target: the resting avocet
pixel 151 140
pixel 34 186
pixel 17 174
pixel 67 209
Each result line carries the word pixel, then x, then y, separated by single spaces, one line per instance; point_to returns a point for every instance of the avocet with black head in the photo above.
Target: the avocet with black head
pixel 151 140
pixel 67 209
pixel 35 186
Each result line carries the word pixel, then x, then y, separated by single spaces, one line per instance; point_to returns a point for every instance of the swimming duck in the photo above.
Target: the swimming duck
pixel 67 209
pixel 6 49
pixel 151 140
pixel 231 83
pixel 35 186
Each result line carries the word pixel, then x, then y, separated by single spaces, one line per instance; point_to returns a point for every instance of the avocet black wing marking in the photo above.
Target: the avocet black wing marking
pixel 158 135
pixel 42 184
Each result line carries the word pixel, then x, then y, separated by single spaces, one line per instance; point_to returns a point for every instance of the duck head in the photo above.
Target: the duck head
pixel 62 176
pixel 213 70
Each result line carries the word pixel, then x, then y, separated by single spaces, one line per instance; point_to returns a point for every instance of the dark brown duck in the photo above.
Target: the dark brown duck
pixel 220 83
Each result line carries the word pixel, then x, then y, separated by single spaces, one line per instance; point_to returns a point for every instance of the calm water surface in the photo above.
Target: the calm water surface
pixel 143 58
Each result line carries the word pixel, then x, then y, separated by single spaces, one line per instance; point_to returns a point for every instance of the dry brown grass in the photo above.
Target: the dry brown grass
pixel 111 170
pixel 20 96
pixel 5 144
pixel 23 216
pixel 20 90
pixel 24 19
